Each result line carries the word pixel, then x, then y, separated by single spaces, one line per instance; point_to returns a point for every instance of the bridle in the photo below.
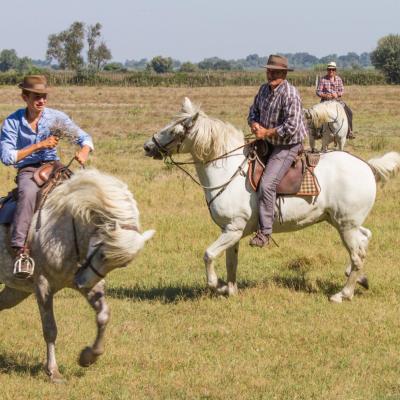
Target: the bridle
pixel 87 263
pixel 168 160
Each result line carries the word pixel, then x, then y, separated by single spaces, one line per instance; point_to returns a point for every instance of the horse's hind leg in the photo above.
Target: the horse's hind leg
pixel 227 240
pixel 356 242
pixel 96 299
pixel 10 297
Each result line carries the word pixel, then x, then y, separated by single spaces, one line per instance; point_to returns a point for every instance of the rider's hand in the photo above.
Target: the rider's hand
pixel 48 143
pixel 82 155
pixel 262 132
pixel 254 127
pixel 334 95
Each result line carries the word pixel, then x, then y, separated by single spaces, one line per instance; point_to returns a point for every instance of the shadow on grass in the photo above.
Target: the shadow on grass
pixel 301 283
pixel 168 294
pixel 11 364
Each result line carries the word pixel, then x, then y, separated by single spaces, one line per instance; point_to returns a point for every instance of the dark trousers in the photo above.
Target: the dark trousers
pixel 279 162
pixel 349 114
pixel 27 192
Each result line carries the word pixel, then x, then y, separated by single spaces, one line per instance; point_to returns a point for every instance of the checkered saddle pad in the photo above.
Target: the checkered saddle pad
pixel 300 179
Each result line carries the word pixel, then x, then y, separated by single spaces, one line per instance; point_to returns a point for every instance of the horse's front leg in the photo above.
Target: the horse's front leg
pixel 96 299
pixel 231 268
pixel 224 242
pixel 44 298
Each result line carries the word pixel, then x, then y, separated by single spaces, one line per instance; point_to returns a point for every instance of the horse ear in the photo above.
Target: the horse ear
pixel 187 105
pixel 307 113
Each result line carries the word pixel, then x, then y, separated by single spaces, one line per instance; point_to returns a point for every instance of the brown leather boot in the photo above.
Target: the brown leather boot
pixel 260 240
pixel 24 265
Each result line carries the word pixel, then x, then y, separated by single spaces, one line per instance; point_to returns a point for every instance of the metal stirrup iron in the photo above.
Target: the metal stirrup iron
pixel 24 266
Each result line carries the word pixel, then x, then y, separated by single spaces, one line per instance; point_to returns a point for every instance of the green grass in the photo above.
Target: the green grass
pixel 168 337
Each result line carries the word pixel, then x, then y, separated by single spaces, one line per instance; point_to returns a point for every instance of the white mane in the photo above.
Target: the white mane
pixel 321 113
pixel 211 137
pixel 103 201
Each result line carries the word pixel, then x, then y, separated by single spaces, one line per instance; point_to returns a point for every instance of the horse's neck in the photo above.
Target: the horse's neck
pixel 220 171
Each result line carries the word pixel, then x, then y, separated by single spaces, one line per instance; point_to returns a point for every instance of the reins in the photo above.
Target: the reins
pixel 168 160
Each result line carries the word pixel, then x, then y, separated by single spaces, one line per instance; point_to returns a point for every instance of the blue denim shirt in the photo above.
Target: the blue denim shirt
pixel 16 134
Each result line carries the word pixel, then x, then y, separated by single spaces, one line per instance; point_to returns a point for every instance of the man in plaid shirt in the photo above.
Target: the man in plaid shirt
pixel 276 116
pixel 330 87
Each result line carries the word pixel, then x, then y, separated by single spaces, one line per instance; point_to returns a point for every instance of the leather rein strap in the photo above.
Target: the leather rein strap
pixel 167 157
pixel 87 263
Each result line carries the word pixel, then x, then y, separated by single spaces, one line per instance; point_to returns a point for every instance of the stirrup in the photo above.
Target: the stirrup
pixel 24 266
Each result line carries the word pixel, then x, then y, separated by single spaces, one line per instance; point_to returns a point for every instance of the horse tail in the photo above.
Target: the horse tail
pixel 386 166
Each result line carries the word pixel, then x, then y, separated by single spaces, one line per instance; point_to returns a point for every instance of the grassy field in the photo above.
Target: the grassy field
pixel 168 338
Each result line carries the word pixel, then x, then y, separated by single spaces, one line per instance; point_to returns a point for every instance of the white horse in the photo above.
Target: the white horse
pixel 89 226
pixel 330 119
pixel 347 195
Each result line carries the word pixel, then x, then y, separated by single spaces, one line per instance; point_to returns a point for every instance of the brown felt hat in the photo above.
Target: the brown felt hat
pixel 34 84
pixel 277 62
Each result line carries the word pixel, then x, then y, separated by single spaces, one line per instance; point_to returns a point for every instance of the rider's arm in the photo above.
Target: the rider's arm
pixel 293 122
pixel 339 87
pixel 48 143
pixel 8 141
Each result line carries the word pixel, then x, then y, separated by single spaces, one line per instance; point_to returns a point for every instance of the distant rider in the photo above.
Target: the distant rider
pixel 330 87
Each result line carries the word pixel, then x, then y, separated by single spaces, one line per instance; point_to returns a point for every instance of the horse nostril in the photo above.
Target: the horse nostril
pixel 146 147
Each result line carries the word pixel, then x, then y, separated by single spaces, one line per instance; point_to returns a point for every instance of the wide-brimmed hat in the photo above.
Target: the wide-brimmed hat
pixel 331 65
pixel 34 84
pixel 277 62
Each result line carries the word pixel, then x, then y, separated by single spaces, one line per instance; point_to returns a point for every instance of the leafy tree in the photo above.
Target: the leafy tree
pixel 102 54
pixel 141 64
pixel 386 57
pixel 161 64
pixel 8 60
pixel 66 46
pixel 115 66
pixel 98 54
pixel 188 67
pixel 25 65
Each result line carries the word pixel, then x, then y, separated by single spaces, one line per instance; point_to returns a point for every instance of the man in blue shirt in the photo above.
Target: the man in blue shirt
pixel 26 142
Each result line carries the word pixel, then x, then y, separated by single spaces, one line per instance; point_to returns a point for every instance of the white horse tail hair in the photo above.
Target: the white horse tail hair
pixel 385 166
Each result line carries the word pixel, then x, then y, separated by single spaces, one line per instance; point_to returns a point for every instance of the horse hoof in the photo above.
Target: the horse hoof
pixel 87 357
pixel 363 281
pixel 55 377
pixel 336 298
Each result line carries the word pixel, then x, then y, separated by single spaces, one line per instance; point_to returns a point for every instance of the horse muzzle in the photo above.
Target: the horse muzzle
pixel 151 150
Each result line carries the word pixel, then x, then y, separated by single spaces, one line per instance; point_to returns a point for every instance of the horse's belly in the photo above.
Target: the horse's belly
pixel 294 213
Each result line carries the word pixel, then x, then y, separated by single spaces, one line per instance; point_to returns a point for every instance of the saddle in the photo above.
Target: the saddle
pixel 299 179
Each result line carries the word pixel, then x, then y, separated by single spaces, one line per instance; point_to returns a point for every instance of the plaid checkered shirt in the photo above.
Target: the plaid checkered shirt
pixel 325 86
pixel 279 108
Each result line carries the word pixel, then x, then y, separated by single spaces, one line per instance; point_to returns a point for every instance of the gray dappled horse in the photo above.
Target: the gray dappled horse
pixel 90 221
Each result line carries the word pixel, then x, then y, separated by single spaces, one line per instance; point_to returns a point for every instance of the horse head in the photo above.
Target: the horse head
pixel 106 223
pixel 108 250
pixel 175 137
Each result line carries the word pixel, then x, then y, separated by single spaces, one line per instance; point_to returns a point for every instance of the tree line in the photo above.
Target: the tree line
pixel 80 48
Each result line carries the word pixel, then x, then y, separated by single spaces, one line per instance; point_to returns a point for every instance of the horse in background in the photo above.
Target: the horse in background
pixel 348 189
pixel 89 226
pixel 327 120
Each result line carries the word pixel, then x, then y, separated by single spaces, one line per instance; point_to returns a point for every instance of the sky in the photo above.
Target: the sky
pixel 191 30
